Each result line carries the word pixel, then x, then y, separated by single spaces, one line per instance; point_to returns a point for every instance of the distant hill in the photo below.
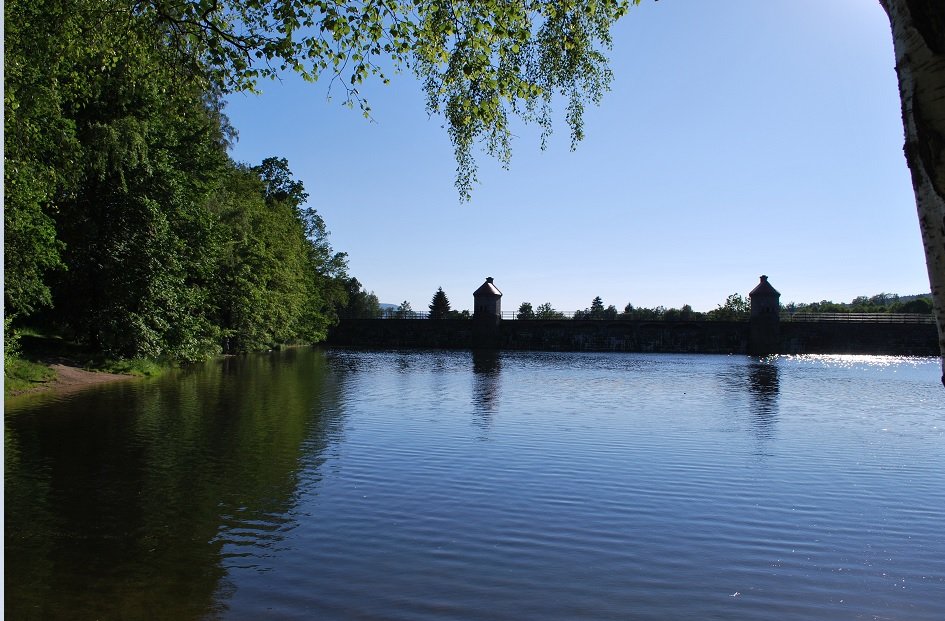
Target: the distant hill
pixel 386 306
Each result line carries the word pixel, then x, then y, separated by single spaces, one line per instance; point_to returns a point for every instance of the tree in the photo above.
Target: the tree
pixel 884 299
pixel 682 314
pixel 525 311
pixel 480 61
pixel 919 305
pixel 918 33
pixel 736 308
pixel 404 311
pixel 597 311
pixel 123 211
pixel 270 290
pixel 41 149
pixel 111 154
pixel 360 304
pixel 440 306
pixel 545 311
pixel 278 183
pixel 327 270
pixel 146 147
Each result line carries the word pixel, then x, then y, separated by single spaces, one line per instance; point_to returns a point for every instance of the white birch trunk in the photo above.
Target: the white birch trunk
pixel 918 31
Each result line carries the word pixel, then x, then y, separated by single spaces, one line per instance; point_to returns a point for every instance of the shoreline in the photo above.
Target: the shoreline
pixel 70 378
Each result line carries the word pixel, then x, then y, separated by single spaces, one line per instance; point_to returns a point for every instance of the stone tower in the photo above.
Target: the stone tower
pixel 765 301
pixel 764 329
pixel 487 303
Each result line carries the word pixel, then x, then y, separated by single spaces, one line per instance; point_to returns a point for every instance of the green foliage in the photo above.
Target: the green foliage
pixel 122 207
pixel 22 375
pixel 279 281
pixel 919 305
pixel 736 308
pixel 480 62
pixel 546 311
pixel 123 210
pixel 139 367
pixel 682 314
pixel 359 303
pixel 879 303
pixel 597 311
pixel 404 311
pixel 642 313
pixel 278 184
pixel 525 311
pixel 115 152
pixel 440 305
pixel 661 313
pixel 40 148
pixel 11 341
pixel 261 289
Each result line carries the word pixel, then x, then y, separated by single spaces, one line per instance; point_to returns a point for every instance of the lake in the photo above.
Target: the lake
pixel 327 484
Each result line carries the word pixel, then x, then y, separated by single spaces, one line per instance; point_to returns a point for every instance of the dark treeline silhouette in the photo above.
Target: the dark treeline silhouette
pixel 735 308
pixel 879 303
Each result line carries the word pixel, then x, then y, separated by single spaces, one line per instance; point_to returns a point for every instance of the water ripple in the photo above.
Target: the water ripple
pixel 459 485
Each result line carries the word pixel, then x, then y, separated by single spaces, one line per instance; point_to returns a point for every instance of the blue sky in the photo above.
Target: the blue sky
pixel 740 137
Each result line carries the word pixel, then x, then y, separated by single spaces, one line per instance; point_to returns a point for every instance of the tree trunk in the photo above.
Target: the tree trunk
pixel 918 31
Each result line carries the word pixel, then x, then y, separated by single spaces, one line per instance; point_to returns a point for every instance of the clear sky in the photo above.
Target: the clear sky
pixel 740 138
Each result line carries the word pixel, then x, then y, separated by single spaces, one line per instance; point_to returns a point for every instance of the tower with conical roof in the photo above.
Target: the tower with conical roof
pixel 487 303
pixel 764 331
pixel 765 300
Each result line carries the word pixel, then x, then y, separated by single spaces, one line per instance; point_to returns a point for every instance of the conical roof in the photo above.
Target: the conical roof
pixel 763 289
pixel 487 289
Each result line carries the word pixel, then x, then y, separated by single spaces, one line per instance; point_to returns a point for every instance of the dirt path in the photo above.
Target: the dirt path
pixel 71 378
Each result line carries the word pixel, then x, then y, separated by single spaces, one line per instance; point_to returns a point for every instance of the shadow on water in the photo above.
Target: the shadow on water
pixel 487 369
pixel 137 498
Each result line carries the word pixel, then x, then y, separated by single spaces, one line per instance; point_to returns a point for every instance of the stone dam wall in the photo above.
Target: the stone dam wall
pixel 710 337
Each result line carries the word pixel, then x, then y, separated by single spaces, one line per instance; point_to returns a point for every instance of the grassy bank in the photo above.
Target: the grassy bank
pixel 30 369
pixel 21 375
pixel 140 367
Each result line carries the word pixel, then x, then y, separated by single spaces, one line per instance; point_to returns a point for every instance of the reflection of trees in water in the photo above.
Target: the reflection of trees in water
pixel 136 499
pixel 763 389
pixel 487 368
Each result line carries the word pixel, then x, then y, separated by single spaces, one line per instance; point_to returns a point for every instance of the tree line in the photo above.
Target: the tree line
pixel 119 194
pixel 735 308
pixel 128 227
pixel 879 303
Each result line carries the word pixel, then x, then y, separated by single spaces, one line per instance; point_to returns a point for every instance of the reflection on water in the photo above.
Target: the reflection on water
pixel 346 484
pixel 763 387
pixel 487 369
pixel 136 498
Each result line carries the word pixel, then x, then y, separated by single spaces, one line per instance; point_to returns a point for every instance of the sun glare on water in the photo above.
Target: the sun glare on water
pixel 851 361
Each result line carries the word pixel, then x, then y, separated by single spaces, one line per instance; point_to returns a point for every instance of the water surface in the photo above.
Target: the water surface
pixel 316 484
